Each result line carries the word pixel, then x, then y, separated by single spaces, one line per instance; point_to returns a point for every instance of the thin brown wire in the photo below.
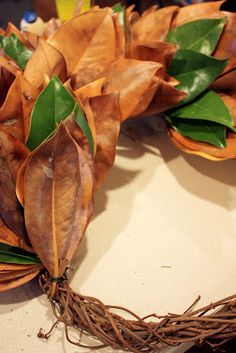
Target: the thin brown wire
pixel 89 314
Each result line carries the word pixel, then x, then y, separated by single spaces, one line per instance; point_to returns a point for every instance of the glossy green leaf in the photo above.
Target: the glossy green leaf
pixel 208 106
pixel 118 8
pixel 201 35
pixel 195 72
pixel 53 105
pixel 15 49
pixel 82 123
pixel 200 130
pixel 14 255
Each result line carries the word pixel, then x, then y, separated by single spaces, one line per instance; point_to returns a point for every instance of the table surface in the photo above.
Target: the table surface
pixel 163 233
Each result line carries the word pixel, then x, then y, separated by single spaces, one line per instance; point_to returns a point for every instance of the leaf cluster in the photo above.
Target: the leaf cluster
pixel 65 96
pixel 202 115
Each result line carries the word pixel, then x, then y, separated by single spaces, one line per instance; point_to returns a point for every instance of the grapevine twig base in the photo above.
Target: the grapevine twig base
pixel 213 324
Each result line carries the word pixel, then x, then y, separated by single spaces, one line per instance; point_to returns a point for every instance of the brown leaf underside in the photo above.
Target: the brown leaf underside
pixel 55 177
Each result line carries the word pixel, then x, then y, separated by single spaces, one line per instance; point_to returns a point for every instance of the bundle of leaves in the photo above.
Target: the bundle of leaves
pixel 63 97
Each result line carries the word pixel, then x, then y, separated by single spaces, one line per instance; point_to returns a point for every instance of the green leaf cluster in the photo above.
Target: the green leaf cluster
pixel 202 115
pixel 15 49
pixel 53 105
pixel 13 255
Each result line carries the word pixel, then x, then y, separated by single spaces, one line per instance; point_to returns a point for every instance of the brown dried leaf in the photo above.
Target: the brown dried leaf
pixel 16 110
pixel 225 82
pixel 19 281
pixel 10 211
pixel 130 18
pixel 10 238
pixel 20 182
pixel 166 97
pixel 149 10
pixel 12 155
pixel 32 40
pixel 13 151
pixel 4 268
pixel 29 94
pixel 48 61
pixel 107 124
pixel 226 48
pixel 50 27
pixel 153 26
pixel 197 12
pixel 131 78
pixel 58 194
pixel 86 39
pixel 9 65
pixel 88 74
pixel 11 275
pixel 120 36
pixel 92 89
pixel 11 115
pixel 160 52
pixel 79 137
pixel 8 72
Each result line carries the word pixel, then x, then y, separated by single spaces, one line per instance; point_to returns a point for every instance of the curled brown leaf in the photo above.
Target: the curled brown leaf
pixel 160 52
pixel 58 195
pixel 226 48
pixel 153 26
pixel 197 12
pixel 166 96
pixel 106 113
pixel 16 272
pixel 16 282
pixel 225 82
pixel 11 115
pixel 12 155
pixel 86 39
pixel 49 62
pixel 131 78
pixel 93 89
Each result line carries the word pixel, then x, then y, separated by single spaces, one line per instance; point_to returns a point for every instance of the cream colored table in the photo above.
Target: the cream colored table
pixel 164 231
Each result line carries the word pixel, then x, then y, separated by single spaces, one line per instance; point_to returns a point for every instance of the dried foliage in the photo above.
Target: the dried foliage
pixel 63 99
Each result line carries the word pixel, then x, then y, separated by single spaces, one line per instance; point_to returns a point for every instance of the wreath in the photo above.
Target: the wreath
pixel 63 97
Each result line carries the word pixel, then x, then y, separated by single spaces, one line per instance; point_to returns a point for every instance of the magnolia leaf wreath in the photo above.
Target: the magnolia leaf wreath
pixel 63 97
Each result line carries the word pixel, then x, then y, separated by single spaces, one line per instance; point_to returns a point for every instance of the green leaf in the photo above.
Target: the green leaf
pixel 14 255
pixel 195 72
pixel 15 49
pixel 201 35
pixel 200 130
pixel 53 105
pixel 118 8
pixel 82 123
pixel 209 107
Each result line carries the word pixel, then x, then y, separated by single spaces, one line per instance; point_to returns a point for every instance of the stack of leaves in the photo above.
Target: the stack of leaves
pixel 63 97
